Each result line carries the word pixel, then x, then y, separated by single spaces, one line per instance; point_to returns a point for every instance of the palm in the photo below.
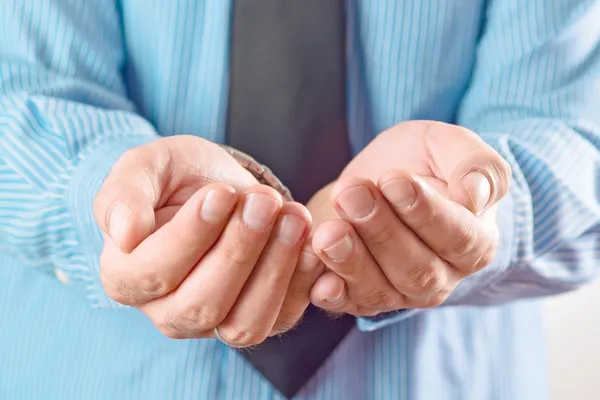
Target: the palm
pixel 409 146
pixel 432 207
pixel 402 147
pixel 193 164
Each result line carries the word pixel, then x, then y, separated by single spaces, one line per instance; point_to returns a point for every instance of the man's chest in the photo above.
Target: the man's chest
pixel 406 60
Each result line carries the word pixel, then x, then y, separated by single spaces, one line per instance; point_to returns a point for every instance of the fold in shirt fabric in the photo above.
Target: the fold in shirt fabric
pixel 83 81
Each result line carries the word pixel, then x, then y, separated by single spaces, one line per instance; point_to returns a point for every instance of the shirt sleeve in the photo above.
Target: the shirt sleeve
pixel 65 118
pixel 535 97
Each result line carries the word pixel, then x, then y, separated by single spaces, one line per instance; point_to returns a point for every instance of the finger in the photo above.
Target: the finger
pixel 451 231
pixel 145 178
pixel 477 176
pixel 408 263
pixel 124 206
pixel 344 253
pixel 208 293
pixel 297 298
pixel 161 262
pixel 164 215
pixel 256 309
pixel 329 293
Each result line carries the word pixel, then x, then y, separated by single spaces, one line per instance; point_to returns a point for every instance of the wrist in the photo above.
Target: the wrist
pixel 261 172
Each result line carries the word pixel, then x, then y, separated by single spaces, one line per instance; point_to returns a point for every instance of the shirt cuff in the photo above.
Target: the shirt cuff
pixel 468 290
pixel 86 181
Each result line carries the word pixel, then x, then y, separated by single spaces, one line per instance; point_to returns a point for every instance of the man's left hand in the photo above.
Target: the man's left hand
pixel 410 217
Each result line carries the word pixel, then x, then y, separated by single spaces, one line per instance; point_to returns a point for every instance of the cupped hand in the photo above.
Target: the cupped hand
pixel 194 242
pixel 411 216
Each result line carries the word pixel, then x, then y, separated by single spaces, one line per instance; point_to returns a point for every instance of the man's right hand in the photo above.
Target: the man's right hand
pixel 194 242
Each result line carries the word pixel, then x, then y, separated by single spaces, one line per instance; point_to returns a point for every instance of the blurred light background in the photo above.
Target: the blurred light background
pixel 573 338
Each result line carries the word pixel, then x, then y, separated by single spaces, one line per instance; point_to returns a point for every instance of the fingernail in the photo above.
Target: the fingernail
pixel 335 297
pixel 400 193
pixel 118 221
pixel 291 229
pixel 478 187
pixel 259 210
pixel 217 206
pixel 357 202
pixel 340 250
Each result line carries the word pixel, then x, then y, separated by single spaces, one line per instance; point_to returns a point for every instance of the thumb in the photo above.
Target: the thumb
pixel 124 207
pixel 168 171
pixel 479 181
pixel 477 176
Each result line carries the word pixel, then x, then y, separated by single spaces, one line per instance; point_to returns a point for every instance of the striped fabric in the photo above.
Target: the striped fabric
pixel 83 81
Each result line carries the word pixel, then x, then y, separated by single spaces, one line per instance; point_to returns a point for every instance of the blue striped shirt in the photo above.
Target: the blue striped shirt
pixel 83 81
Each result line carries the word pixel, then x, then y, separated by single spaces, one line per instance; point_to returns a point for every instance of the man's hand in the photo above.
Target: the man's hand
pixel 195 243
pixel 416 215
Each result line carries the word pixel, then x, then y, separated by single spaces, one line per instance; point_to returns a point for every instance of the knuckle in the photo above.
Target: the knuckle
pixel 465 242
pixel 487 252
pixel 383 237
pixel 486 259
pixel 424 281
pixel 197 317
pixel 118 290
pixel 436 299
pixel 237 256
pixel 170 331
pixel 148 165
pixel 378 300
pixel 152 284
pixel 277 278
pixel 503 172
pixel 118 293
pixel 241 338
pixel 172 327
pixel 131 289
pixel 149 182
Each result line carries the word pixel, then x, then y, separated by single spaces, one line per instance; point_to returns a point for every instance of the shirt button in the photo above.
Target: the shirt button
pixel 61 276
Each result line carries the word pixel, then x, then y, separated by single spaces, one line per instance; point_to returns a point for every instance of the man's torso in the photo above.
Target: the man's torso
pixel 407 60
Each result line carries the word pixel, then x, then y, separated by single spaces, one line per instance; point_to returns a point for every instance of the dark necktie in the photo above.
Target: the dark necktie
pixel 287 109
